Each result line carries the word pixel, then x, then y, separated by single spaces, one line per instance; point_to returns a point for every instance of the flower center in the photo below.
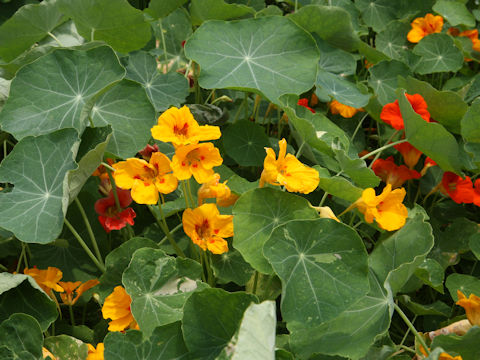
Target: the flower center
pixel 181 131
pixel 203 230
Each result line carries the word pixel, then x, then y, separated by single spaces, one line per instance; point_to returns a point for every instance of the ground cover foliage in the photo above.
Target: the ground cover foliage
pixel 319 199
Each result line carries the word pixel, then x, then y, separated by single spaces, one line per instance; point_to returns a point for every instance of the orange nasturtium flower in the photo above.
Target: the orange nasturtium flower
pixel 197 160
pixel 287 170
pixel 95 354
pixel 207 228
pixel 410 154
pixel 46 279
pixel 47 354
pixel 117 308
pixel 344 110
pixel 146 179
pixel 77 287
pixel 471 34
pixel 460 190
pixel 423 26
pixel 471 306
pixel 392 116
pixel 387 208
pixel 392 173
pixel 442 356
pixel 180 128
pixel 215 189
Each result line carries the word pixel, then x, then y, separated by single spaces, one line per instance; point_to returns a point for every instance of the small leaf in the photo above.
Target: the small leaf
pixel 49 94
pixel 165 343
pixel 455 12
pixel 209 331
pixel 470 123
pixel 127 109
pixel 256 214
pixel 430 138
pixel 245 142
pixel 231 266
pixel 163 90
pixel 254 55
pixel 159 286
pixel 377 14
pixel 341 89
pixel 322 265
pixel 38 167
pixel 466 346
pixel 115 21
pixel 21 294
pixel 357 170
pixel 66 347
pixel 202 10
pixel 437 54
pixel 437 308
pixel 22 336
pixel 162 8
pixel 431 273
pixel 465 283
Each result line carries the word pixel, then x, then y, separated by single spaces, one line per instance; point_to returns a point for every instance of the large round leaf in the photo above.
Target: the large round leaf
pixel 114 21
pixel 245 143
pixel 163 90
pixel 166 343
pixel 22 335
pixel 437 54
pixel 255 55
pixel 38 167
pixel 50 93
pixel 257 213
pixel 323 268
pixel 209 330
pixel 127 109
pixel 20 294
pixel 159 286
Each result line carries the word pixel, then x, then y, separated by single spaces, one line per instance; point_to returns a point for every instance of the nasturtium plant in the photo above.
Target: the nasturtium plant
pixel 239 179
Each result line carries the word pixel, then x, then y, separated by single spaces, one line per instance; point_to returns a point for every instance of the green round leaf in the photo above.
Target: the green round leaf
pixel 22 335
pixel 66 347
pixel 335 60
pixel 163 90
pixel 465 283
pixel 438 53
pixel 38 166
pixel 257 213
pixel 161 8
pixel 393 40
pixel 115 21
pixel 454 12
pixel 383 79
pixel 341 89
pixel 211 318
pixel 159 285
pixel 377 14
pixel 202 10
pixel 20 294
pixel 245 143
pixel 323 268
pixel 49 94
pixel 166 343
pixel 127 109
pixel 254 55
pixel 230 266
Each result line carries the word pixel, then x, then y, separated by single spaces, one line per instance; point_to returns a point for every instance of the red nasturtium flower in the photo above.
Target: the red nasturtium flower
pixel 392 116
pixel 386 209
pixel 423 26
pixel 304 102
pixel 476 193
pixel 392 173
pixel 215 189
pixel 429 162
pixel 78 287
pixel 197 160
pixel 95 354
pixel 460 190
pixel 410 154
pixel 207 228
pixel 287 170
pixel 117 308
pixel 146 179
pixel 110 216
pixel 342 109
pixel 180 128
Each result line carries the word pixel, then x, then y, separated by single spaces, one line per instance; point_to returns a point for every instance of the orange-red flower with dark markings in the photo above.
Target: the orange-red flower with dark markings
pixel 112 218
pixel 460 190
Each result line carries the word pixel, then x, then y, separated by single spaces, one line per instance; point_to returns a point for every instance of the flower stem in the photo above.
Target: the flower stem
pixel 379 150
pixel 189 190
pixel 115 196
pixel 358 126
pixel 185 195
pixel 89 230
pixel 210 277
pixel 163 225
pixel 411 327
pixel 255 282
pixel 72 317
pixel 84 246
pixel 164 45
pixel 3 268
pixel 22 254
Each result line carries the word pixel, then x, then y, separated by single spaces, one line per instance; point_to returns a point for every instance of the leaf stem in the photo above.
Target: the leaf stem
pixel 411 327
pixel 72 317
pixel 163 225
pixel 164 45
pixel 358 126
pixel 89 230
pixel 55 38
pixel 185 195
pixel 84 246
pixel 255 282
pixel 380 149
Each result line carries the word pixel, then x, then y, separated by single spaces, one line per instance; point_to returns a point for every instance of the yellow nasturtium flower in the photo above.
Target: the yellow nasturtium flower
pixel 95 354
pixel 78 287
pixel 180 128
pixel 387 208
pixel 215 189
pixel 287 170
pixel 146 179
pixel 345 111
pixel 207 228
pixel 197 160
pixel 117 308
pixel 471 306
